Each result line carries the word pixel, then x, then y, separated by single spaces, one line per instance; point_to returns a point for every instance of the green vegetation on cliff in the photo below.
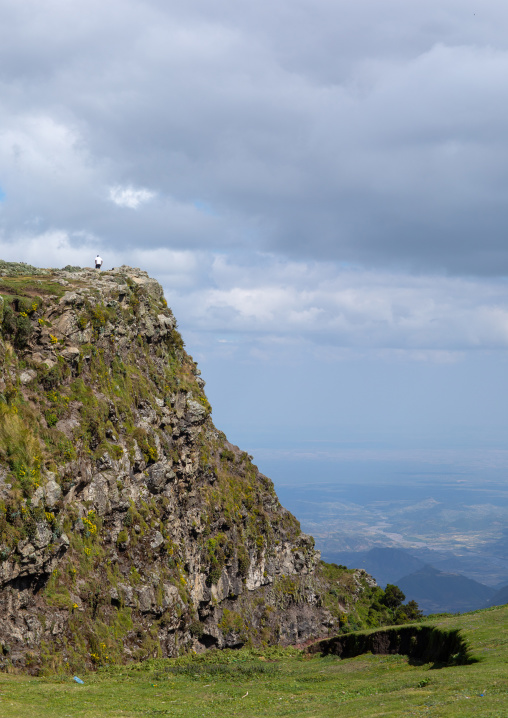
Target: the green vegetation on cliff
pixel 130 528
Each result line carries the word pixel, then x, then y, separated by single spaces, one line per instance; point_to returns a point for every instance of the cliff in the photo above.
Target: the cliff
pixel 129 526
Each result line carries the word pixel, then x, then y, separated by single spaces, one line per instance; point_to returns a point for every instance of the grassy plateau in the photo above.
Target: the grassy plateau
pixel 282 682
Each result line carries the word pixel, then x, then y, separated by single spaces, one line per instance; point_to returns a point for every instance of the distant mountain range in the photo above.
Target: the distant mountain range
pixel 499 598
pixel 437 592
pixel 454 525
pixel 434 590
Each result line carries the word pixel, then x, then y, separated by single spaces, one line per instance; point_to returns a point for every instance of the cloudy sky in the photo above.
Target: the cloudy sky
pixel 321 187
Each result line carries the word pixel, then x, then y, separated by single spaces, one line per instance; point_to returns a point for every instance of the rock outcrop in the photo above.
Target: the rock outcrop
pixel 129 526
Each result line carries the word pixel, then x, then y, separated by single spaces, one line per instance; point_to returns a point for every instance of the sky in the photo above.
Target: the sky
pixel 320 186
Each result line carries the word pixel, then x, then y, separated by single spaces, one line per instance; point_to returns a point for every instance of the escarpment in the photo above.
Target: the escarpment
pixel 129 526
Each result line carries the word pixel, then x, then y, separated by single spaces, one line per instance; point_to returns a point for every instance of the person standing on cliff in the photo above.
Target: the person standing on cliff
pixel 98 262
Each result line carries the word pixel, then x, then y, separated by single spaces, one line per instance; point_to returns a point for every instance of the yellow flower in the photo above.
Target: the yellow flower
pixel 90 526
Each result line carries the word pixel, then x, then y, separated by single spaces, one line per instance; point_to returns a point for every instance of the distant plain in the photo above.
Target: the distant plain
pixel 456 524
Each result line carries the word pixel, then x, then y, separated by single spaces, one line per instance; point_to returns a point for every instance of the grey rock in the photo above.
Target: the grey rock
pixel 146 598
pixel 157 477
pixel 38 496
pixel 126 595
pixel 171 595
pixel 27 376
pixel 70 353
pixel 104 462
pixel 25 549
pixel 43 535
pixel 196 411
pixel 68 425
pixel 166 323
pixel 157 540
pixel 148 328
pixel 52 494
pixel 73 299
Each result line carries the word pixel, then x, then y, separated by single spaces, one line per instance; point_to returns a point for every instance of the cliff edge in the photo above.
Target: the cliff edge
pixel 129 526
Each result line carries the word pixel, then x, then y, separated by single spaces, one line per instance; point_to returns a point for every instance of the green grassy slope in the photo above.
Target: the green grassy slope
pixel 283 683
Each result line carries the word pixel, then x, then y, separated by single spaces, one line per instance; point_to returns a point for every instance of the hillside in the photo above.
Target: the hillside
pixel 284 683
pixel 129 526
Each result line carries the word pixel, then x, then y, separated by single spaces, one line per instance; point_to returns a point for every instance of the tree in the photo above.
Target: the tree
pixel 393 596
pixel 412 611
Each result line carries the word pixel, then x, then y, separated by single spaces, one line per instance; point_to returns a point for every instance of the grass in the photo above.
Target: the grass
pixel 31 286
pixel 280 683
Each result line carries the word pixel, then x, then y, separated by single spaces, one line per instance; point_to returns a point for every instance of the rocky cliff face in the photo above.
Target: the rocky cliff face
pixel 129 526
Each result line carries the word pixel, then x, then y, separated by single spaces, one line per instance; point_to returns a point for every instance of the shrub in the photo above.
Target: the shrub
pixel 196 629
pixel 243 561
pixel 51 418
pixel 122 538
pixel 9 320
pixel 24 330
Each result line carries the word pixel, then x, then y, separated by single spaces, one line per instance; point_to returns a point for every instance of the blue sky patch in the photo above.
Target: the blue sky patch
pixel 204 207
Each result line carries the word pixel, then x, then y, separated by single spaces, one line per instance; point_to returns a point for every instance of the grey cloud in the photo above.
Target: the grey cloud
pixel 372 132
pixel 427 317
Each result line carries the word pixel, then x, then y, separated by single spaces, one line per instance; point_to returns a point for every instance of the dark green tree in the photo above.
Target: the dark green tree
pixel 393 596
pixel 412 611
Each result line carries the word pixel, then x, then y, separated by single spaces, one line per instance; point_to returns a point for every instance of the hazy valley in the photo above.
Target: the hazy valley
pixel 395 531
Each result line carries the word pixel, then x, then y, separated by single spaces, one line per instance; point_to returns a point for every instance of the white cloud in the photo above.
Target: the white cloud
pixel 429 318
pixel 130 197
